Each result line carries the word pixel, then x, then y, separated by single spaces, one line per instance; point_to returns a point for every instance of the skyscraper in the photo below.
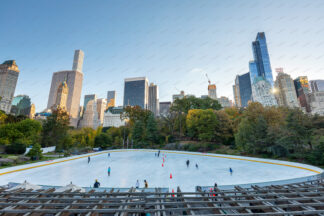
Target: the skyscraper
pixel 212 91
pixel 136 92
pixel 261 57
pixel 285 90
pixel 21 105
pixel 242 90
pixel 111 99
pixel 90 116
pixel 236 94
pixel 88 98
pixel 78 60
pixel 317 85
pixel 261 73
pixel 74 79
pixel 101 107
pixel 9 73
pixel 302 89
pixel 154 104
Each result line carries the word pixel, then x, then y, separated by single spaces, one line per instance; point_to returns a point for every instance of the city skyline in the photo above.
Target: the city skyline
pixel 138 44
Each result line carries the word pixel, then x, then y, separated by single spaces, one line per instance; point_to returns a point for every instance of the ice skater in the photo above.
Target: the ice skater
pixel 159 153
pixel 215 187
pixel 145 184
pixel 187 162
pixel 137 184
pixel 230 170
pixel 88 159
pixel 109 171
pixel 109 154
pixel 196 165
pixel 96 184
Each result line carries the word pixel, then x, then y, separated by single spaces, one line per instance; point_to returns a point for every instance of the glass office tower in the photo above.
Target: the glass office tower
pixel 136 92
pixel 261 57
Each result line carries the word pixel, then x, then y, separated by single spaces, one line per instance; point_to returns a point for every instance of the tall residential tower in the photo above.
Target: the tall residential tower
pixel 261 73
pixel 74 79
pixel 154 104
pixel 9 73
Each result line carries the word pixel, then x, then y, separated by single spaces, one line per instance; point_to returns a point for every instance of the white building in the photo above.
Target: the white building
pixel 112 117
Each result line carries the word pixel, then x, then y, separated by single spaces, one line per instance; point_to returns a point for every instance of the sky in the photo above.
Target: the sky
pixel 173 43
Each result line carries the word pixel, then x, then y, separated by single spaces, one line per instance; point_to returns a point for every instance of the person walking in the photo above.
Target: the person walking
pixel 146 184
pixel 137 184
pixel 109 171
pixel 96 184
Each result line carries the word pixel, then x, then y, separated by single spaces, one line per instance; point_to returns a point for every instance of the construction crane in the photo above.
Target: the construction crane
pixel 208 79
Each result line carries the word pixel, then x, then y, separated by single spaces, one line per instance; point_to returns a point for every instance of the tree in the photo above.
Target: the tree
pixel 103 140
pixel 188 103
pixel 202 124
pixel 36 152
pixel 151 130
pixel 138 132
pixel 55 129
pixel 135 113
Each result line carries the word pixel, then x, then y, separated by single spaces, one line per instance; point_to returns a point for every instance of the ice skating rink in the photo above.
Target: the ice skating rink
pixel 129 165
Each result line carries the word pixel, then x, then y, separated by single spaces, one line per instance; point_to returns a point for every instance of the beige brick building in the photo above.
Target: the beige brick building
pixel 74 79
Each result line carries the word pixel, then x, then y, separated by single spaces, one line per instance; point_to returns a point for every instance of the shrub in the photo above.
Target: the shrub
pixel 36 152
pixel 16 148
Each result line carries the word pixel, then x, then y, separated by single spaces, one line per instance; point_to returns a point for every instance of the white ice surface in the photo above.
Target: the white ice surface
pixel 128 166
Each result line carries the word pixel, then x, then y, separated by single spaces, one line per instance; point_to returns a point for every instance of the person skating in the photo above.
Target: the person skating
pixel 137 184
pixel 197 166
pixel 109 171
pixel 108 154
pixel 145 184
pixel 88 159
pixel 159 153
pixel 96 184
pixel 187 162
pixel 231 171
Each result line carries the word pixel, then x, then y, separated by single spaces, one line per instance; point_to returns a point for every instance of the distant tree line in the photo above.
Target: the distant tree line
pixel 193 124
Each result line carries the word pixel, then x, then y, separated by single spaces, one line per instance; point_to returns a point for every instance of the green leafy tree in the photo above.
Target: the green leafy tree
pixel 188 103
pixel 152 133
pixel 202 124
pixel 55 129
pixel 103 140
pixel 138 132
pixel 36 152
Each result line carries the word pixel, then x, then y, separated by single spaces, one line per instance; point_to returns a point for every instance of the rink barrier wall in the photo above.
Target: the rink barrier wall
pixel 100 189
pixel 264 184
pixel 56 161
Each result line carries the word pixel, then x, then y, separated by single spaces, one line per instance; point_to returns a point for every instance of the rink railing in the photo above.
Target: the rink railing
pixel 269 183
